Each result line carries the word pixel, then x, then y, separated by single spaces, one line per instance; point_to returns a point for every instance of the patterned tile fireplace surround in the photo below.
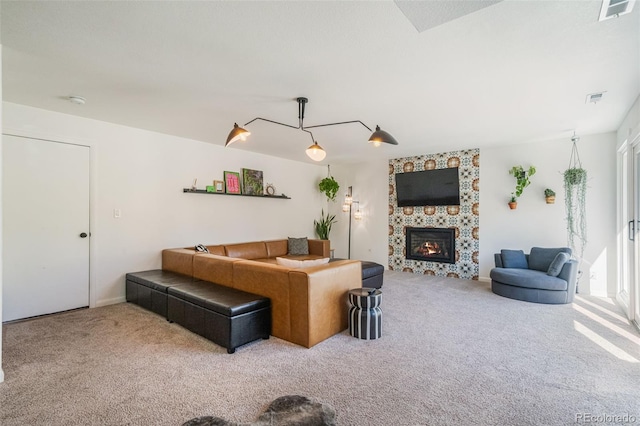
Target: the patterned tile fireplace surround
pixel 464 220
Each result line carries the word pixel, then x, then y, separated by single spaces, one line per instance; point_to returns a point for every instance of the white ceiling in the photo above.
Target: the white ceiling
pixel 512 72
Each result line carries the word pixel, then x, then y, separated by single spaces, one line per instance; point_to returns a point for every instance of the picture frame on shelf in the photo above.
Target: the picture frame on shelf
pixel 232 182
pixel 218 186
pixel 252 183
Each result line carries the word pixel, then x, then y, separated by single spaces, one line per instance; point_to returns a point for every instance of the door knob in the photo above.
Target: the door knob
pixel 83 235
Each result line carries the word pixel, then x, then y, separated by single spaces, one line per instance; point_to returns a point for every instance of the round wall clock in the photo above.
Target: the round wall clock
pixel 270 189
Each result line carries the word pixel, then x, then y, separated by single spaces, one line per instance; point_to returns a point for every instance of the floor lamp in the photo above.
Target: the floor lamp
pixel 357 215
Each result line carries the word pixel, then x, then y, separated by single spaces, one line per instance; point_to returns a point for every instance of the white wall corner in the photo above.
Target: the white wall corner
pixel 112 301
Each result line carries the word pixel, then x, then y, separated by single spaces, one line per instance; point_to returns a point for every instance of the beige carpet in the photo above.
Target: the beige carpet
pixel 452 353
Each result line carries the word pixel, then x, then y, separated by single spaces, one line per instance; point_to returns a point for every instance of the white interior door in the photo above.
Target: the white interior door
pixel 46 211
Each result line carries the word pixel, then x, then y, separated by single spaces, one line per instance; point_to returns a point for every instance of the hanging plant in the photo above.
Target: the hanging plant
pixel 329 186
pixel 575 193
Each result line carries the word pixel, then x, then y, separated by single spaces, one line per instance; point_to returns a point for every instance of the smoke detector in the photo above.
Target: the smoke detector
pixel 78 100
pixel 614 8
pixel 594 97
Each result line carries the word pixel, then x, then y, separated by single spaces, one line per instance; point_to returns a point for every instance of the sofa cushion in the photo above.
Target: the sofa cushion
pixel 249 251
pixel 528 278
pixel 277 248
pixel 298 246
pixel 514 259
pixel 294 263
pixel 540 258
pixel 557 264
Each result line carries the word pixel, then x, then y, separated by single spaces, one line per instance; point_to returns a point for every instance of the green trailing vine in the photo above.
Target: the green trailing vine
pixel 522 179
pixel 575 195
pixel 329 186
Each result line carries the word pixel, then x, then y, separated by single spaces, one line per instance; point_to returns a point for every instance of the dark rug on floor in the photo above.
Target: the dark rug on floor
pixel 287 410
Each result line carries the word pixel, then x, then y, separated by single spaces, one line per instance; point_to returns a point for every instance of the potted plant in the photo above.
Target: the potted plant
pixel 323 226
pixel 329 186
pixel 513 202
pixel 522 181
pixel 575 194
pixel 549 196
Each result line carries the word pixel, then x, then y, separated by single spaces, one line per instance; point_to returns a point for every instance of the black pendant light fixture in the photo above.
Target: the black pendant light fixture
pixel 315 151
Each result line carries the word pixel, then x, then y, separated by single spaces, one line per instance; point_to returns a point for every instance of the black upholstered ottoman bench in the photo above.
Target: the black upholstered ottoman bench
pixel 148 289
pixel 372 273
pixel 224 315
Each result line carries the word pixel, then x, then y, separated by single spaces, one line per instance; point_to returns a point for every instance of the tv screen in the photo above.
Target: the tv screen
pixel 439 187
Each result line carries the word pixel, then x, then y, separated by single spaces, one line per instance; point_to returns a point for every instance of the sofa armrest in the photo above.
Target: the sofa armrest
pixel 178 260
pixel 569 273
pixel 497 257
pixel 320 247
pixel 318 300
pixel 214 268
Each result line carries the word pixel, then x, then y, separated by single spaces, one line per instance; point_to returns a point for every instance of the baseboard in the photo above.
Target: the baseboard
pixel 1 375
pixel 113 301
pixel 484 279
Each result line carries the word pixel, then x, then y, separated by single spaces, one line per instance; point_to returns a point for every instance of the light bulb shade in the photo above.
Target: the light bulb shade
pixel 315 152
pixel 380 136
pixel 348 199
pixel 345 207
pixel 236 134
pixel 358 214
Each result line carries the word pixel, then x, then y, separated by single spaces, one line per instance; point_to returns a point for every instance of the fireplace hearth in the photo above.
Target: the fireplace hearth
pixel 431 244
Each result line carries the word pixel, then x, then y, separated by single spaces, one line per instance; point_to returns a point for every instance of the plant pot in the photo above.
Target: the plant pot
pixel 513 205
pixel 574 176
pixel 551 199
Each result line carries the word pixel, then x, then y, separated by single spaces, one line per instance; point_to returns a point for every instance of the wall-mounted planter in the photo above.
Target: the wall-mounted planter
pixel 551 199
pixel 513 205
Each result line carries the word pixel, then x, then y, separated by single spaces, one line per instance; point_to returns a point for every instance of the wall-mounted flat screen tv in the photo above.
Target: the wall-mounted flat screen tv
pixel 439 187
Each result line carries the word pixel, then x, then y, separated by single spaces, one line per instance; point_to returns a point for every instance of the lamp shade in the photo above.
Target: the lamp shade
pixel 315 152
pixel 380 136
pixel 237 133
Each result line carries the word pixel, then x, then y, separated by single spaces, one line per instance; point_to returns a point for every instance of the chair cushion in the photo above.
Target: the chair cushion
pixel 557 264
pixel 528 278
pixel 514 259
pixel 540 258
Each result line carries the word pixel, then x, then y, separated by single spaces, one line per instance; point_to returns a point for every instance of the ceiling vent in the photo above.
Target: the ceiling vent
pixel 594 97
pixel 614 8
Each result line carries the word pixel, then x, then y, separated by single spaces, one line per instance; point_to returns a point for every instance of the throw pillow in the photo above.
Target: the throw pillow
pixel 293 263
pixel 540 258
pixel 202 248
pixel 557 264
pixel 298 246
pixel 514 259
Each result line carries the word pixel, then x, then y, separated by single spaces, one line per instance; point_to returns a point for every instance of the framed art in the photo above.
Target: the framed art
pixel 218 186
pixel 232 182
pixel 252 182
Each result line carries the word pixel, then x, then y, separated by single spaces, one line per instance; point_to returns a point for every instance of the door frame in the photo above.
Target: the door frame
pixel 22 133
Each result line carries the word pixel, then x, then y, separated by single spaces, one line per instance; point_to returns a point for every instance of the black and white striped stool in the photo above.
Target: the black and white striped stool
pixel 365 315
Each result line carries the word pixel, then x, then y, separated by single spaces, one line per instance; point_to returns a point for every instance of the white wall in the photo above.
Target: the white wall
pixel 369 236
pixel 143 173
pixel 535 223
pixel 630 126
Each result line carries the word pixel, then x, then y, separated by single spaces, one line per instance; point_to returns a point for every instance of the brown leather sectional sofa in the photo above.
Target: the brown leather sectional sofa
pixel 308 305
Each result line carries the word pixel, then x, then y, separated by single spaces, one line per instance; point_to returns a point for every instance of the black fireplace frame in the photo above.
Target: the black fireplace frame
pixel 447 234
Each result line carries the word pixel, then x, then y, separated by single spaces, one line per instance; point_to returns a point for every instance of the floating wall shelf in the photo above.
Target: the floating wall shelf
pixel 202 191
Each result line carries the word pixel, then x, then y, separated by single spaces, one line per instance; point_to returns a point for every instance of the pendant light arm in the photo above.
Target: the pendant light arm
pixel 335 124
pixel 271 121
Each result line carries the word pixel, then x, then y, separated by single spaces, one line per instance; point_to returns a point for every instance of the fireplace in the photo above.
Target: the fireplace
pixel 431 244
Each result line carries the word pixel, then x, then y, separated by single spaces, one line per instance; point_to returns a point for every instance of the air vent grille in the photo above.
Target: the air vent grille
pixel 614 8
